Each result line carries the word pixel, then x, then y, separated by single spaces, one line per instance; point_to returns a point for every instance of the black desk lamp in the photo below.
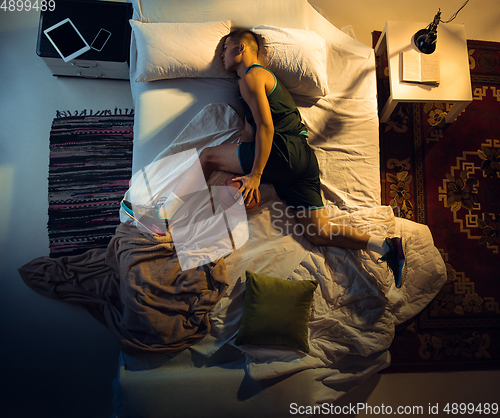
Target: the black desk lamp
pixel 425 39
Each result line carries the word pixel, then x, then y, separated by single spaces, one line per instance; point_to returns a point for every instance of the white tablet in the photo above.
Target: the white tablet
pixel 67 41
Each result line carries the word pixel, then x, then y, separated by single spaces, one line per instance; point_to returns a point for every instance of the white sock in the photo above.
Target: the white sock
pixel 377 244
pixel 170 206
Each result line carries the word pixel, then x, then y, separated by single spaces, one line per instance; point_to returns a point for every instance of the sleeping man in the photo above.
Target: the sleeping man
pixel 274 149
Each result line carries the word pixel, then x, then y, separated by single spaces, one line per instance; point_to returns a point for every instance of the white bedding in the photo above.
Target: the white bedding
pixel 343 126
pixel 356 307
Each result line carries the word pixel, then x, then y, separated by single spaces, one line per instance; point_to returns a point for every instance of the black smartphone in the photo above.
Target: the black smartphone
pixel 100 40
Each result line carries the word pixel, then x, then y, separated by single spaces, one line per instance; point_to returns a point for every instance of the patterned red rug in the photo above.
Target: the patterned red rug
pixel 448 177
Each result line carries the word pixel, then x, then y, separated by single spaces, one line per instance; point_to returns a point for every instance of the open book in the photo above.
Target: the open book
pixel 420 68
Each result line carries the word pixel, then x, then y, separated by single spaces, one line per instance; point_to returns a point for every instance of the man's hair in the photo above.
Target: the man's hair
pixel 247 37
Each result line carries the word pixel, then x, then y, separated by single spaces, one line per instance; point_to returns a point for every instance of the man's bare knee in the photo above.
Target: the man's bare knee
pixel 207 161
pixel 314 239
pixel 315 235
pixel 206 155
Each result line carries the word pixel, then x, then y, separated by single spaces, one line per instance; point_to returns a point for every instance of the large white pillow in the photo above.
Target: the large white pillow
pixel 243 13
pixel 177 50
pixel 298 58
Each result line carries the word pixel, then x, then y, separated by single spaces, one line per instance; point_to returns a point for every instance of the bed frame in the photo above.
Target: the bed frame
pixel 356 307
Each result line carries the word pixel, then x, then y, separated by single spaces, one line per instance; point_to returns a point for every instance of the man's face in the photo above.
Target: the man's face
pixel 230 55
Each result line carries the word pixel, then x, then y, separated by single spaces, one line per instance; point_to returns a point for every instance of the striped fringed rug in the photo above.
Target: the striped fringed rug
pixel 89 171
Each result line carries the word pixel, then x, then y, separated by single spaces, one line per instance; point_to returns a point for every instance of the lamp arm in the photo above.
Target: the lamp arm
pixel 433 26
pixel 425 39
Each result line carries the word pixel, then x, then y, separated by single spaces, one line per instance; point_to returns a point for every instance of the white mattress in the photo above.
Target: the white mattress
pixel 343 126
pixel 354 315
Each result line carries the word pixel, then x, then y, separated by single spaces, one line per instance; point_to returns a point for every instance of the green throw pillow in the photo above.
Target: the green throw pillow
pixel 276 312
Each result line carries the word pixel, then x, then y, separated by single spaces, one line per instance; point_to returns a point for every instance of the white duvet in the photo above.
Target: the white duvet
pixel 356 307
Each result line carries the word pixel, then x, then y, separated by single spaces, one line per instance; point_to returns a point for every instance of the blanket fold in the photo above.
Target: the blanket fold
pixel 137 289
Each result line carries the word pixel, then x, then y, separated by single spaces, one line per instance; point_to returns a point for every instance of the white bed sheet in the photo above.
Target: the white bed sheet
pixel 356 311
pixel 343 126
pixel 358 306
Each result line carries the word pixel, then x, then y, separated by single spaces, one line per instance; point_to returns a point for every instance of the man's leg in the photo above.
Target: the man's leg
pixel 219 158
pixel 319 231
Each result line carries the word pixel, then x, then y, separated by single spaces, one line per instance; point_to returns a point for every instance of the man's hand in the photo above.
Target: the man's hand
pixel 249 187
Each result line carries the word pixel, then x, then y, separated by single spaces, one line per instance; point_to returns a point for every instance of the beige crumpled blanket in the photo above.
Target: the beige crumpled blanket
pixel 137 289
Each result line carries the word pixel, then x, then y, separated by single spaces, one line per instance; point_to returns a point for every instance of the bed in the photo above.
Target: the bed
pixel 356 307
pixel 184 102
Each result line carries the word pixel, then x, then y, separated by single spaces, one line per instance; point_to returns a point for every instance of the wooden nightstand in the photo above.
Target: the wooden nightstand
pixel 89 17
pixel 455 85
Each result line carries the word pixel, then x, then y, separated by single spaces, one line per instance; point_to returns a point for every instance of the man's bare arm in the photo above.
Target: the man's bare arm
pixel 253 91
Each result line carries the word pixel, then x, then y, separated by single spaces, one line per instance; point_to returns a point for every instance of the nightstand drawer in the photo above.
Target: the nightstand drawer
pixel 88 68
pixel 90 73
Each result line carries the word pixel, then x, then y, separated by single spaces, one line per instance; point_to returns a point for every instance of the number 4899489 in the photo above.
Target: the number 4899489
pixel 27 5
pixel 470 408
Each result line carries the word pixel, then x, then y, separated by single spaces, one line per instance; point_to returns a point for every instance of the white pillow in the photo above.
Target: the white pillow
pixel 176 50
pixel 298 58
